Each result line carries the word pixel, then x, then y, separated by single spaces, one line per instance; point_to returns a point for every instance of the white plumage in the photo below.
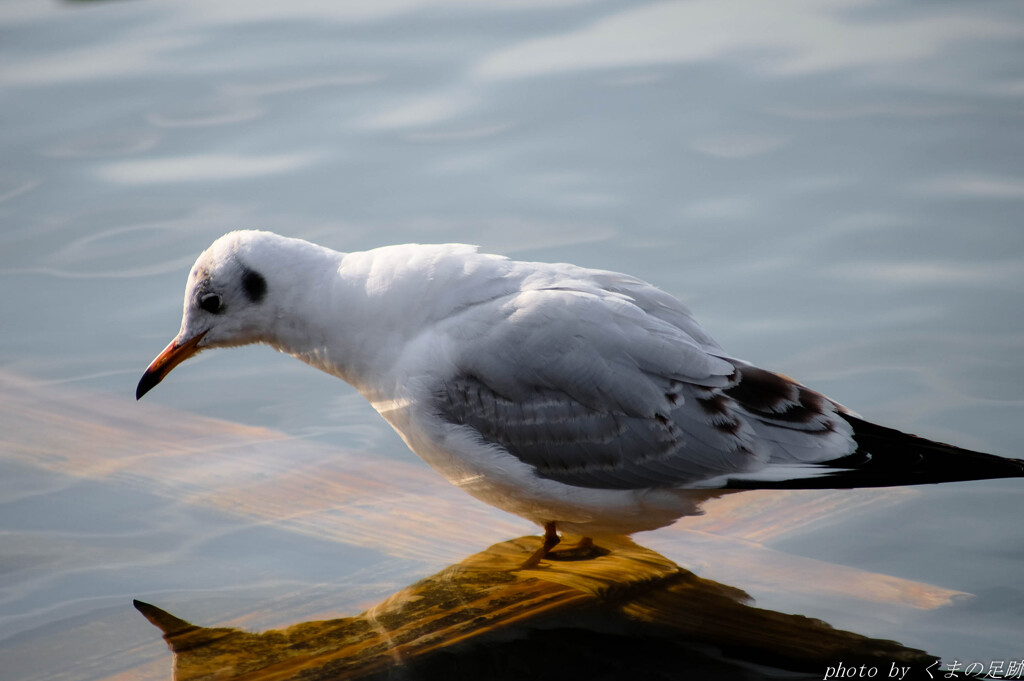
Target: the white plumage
pixel 566 395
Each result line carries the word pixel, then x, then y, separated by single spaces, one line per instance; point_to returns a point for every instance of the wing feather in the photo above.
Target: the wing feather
pixel 606 382
pixel 598 380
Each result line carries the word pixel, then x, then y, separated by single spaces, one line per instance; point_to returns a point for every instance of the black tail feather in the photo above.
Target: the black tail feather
pixel 886 457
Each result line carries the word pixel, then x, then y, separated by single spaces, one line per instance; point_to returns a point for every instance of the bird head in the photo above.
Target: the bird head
pixel 225 305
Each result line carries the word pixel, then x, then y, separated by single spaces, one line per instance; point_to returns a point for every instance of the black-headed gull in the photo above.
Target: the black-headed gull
pixel 580 399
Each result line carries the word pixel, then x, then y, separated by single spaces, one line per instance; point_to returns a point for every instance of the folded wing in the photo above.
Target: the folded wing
pixel 615 386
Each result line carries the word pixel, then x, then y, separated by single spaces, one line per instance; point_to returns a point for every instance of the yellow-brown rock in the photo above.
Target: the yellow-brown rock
pixel 620 611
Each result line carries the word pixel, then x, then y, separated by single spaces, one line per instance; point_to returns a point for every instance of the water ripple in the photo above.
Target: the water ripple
pixel 805 36
pixel 202 168
pixel 12 187
pixel 974 186
pixel 209 113
pixel 99 145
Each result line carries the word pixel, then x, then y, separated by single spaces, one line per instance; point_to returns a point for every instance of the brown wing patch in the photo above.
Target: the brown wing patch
pixel 719 411
pixel 773 396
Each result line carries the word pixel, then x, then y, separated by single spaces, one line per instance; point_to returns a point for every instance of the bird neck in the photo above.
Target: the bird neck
pixel 310 305
pixel 355 316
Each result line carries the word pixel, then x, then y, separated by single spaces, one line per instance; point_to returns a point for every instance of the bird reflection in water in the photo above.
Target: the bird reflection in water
pixel 617 610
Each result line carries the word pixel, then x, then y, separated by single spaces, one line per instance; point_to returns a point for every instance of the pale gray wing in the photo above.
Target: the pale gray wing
pixel 576 444
pixel 592 390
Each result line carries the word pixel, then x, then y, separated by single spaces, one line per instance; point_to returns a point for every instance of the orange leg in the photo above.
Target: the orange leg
pixel 551 540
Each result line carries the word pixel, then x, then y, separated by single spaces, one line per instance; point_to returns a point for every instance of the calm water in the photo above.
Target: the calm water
pixel 836 188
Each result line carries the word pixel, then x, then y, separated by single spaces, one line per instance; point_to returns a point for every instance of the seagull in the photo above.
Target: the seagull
pixel 584 400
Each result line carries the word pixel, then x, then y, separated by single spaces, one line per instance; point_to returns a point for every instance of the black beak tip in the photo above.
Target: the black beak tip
pixel 148 381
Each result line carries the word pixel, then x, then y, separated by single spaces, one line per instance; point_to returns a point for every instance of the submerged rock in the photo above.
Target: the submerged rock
pixel 620 611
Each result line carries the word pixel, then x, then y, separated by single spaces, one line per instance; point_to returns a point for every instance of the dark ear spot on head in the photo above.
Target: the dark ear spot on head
pixel 254 285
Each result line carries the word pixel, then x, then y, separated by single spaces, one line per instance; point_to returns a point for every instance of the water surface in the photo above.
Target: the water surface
pixel 836 188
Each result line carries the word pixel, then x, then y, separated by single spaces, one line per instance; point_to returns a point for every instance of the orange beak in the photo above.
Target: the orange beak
pixel 173 355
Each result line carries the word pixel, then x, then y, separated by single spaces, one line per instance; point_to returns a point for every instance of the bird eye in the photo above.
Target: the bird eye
pixel 210 302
